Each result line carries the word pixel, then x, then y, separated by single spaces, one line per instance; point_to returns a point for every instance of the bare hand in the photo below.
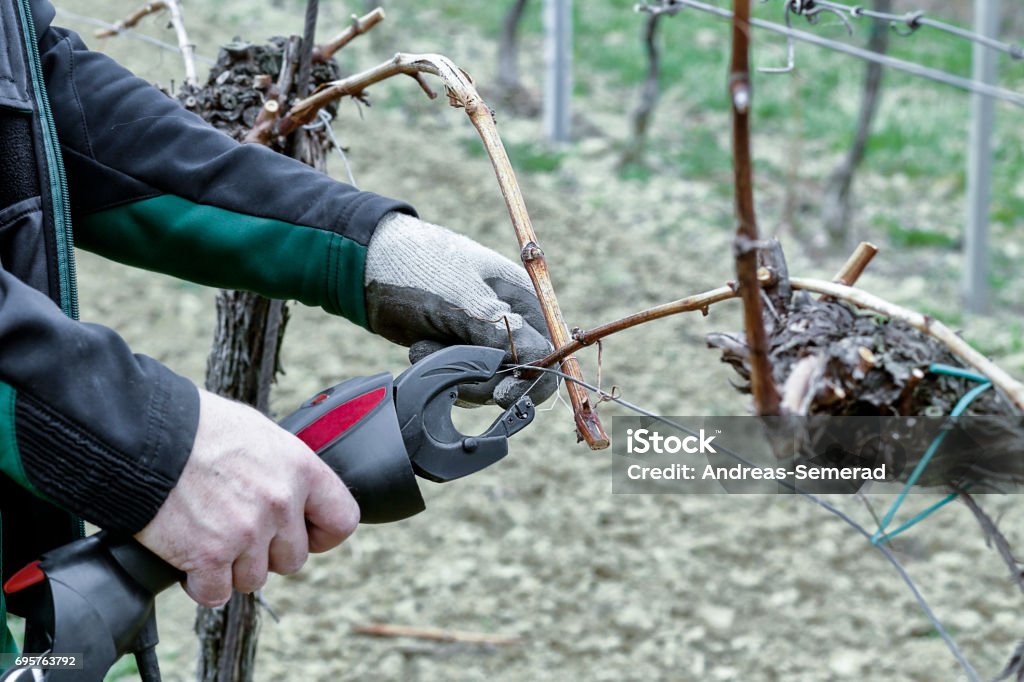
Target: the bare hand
pixel 252 498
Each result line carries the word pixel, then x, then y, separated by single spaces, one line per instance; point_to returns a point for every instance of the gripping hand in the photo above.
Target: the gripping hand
pixel 428 287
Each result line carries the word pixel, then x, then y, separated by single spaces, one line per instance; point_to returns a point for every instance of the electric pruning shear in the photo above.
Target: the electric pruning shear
pixel 94 598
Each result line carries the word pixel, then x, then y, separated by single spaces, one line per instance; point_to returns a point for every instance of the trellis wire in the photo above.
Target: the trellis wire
pixel 812 9
pixel 972 675
pixel 915 20
pixel 324 121
pixel 914 69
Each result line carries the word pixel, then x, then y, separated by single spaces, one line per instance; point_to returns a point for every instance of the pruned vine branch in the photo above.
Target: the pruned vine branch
pixel 855 265
pixel 463 94
pixel 132 20
pixel 851 271
pixel 434 634
pixel 766 396
pixel 185 46
pixel 359 26
pixel 582 339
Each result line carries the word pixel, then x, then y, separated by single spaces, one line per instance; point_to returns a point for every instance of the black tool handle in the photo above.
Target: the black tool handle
pixel 353 427
pixel 93 598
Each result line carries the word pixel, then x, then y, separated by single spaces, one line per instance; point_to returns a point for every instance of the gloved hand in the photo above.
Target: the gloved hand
pixel 427 287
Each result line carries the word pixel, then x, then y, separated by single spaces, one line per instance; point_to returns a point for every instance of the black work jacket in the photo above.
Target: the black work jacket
pixel 91 156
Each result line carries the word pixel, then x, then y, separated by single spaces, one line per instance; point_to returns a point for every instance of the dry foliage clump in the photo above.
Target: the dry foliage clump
pixel 849 363
pixel 831 360
pixel 242 80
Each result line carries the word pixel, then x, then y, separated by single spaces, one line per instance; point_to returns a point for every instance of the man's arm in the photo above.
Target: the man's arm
pixel 86 423
pixel 154 186
pixel 215 488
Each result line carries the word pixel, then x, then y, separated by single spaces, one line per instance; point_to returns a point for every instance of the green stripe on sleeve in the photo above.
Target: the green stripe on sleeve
pixel 217 247
pixel 7 643
pixel 10 460
pixel 10 464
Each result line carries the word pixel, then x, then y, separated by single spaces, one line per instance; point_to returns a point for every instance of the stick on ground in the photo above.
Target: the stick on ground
pixel 434 634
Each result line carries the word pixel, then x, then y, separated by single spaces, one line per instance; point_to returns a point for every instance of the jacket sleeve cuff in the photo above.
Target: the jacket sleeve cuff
pixel 346 261
pixel 360 215
pixel 107 486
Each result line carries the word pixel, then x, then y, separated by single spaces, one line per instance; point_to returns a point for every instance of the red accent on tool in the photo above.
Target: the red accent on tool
pixel 319 399
pixel 331 425
pixel 26 577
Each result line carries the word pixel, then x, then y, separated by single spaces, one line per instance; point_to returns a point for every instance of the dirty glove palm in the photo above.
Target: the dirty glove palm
pixel 427 287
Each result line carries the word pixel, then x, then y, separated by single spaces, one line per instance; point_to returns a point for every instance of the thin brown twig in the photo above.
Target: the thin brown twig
pixel 132 20
pixel 463 94
pixel 305 110
pixel 359 26
pixel 434 634
pixel 766 395
pixel 424 85
pixel 855 265
pixel 305 73
pixel 850 271
pixel 511 340
pixel 693 303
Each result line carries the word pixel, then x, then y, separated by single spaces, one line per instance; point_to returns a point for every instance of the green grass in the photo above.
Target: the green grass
pixel 910 237
pixel 123 671
pixel 951 318
pixel 528 157
pixel 704 155
pixel 534 157
pixel 636 171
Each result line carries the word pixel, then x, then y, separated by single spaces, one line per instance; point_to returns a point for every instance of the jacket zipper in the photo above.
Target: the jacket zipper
pixel 58 186
pixel 55 169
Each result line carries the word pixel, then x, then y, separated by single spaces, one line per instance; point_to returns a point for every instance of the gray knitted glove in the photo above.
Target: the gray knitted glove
pixel 427 287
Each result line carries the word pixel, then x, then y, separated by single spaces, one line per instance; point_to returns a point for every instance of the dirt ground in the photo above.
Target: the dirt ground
pixel 596 586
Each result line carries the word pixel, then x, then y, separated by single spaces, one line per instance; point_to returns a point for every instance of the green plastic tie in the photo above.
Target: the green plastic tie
pixel 950 370
pixel 880 536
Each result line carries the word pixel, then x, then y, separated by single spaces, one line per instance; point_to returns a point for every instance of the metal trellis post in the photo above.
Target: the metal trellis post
pixel 558 63
pixel 979 163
